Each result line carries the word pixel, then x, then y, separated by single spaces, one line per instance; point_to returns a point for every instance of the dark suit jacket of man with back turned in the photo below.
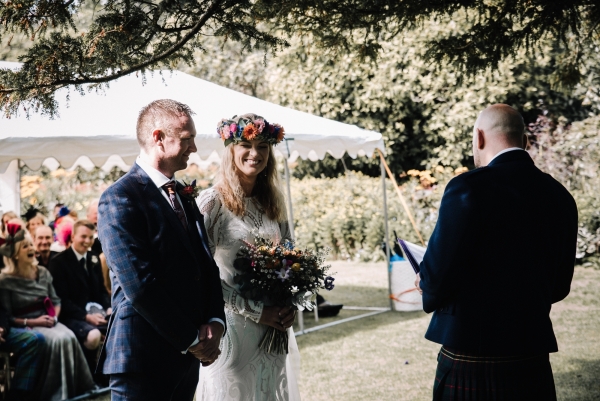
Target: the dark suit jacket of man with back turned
pixel 165 283
pixel 501 254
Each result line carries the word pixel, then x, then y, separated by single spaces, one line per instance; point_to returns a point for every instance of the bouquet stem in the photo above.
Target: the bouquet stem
pixel 274 342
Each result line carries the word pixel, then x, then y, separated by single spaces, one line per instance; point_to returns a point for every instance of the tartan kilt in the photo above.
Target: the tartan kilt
pixel 463 376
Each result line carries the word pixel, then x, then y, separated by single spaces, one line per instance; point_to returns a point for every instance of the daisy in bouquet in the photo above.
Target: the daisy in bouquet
pixel 279 274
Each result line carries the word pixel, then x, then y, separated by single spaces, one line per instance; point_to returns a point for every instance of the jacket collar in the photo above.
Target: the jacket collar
pixel 512 156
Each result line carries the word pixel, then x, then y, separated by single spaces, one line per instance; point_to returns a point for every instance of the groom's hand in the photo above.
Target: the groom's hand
pixel 209 337
pixel 418 283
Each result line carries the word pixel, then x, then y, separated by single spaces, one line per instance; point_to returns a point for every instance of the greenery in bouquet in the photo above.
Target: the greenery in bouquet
pixel 279 274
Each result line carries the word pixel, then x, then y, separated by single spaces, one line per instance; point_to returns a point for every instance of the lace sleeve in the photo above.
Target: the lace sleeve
pixel 284 229
pixel 211 208
pixel 240 305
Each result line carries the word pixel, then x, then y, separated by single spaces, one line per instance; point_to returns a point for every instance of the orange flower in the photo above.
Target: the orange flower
pixel 280 133
pixel 250 132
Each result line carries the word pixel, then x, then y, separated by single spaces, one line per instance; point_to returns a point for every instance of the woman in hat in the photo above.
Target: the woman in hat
pixel 28 297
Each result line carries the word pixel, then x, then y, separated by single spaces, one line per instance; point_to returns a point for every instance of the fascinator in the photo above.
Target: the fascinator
pixel 62 212
pixel 30 213
pixel 14 234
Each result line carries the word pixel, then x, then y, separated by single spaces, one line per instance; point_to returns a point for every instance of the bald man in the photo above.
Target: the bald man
pixel 501 254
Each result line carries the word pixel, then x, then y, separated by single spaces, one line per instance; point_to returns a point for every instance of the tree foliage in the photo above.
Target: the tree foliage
pixel 126 36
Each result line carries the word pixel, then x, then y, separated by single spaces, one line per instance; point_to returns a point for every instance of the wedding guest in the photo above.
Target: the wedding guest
pixel 92 215
pixel 57 209
pixel 77 278
pixel 33 219
pixel 63 233
pixel 246 200
pixel 495 264
pixel 27 295
pixel 26 347
pixel 6 217
pixel 42 240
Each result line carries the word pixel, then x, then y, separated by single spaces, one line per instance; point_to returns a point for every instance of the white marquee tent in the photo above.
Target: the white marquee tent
pixel 98 129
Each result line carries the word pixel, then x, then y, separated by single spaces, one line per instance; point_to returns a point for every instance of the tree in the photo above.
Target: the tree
pixel 123 37
pixel 425 112
pixel 127 36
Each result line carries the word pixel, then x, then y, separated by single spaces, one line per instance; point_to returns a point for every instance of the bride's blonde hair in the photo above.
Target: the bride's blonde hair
pixel 266 190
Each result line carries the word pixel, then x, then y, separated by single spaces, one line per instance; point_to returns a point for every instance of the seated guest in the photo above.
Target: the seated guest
pixel 28 297
pixel 63 233
pixel 27 347
pixel 78 281
pixel 57 209
pixel 92 215
pixel 33 219
pixel 42 240
pixel 6 217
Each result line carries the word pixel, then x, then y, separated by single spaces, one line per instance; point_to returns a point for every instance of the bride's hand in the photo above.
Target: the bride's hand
pixel 277 317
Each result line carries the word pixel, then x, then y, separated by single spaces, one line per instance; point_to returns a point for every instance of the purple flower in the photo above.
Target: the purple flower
pixel 329 283
pixel 283 274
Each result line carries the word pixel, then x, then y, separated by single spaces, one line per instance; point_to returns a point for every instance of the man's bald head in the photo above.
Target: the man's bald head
pixel 498 127
pixel 504 122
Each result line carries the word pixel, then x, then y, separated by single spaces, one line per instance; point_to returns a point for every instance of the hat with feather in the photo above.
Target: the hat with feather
pixel 14 234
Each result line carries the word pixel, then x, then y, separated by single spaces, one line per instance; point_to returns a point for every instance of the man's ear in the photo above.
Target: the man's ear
pixel 157 136
pixel 480 139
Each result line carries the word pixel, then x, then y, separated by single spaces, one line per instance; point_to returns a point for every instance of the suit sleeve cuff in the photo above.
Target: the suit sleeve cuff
pixel 216 319
pixel 196 341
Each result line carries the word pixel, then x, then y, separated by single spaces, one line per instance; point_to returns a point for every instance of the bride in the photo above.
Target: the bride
pixel 246 201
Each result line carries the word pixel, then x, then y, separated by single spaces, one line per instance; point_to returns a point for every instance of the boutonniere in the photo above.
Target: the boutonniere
pixel 189 191
pixel 94 259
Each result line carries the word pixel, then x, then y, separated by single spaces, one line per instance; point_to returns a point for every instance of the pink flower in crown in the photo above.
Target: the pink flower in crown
pixel 233 128
pixel 259 124
pixel 225 134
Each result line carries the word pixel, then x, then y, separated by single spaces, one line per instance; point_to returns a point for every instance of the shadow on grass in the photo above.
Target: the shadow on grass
pixel 580 383
pixel 346 329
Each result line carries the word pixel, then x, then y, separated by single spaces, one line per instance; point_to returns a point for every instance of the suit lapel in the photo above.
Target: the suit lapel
pixel 195 220
pixel 157 201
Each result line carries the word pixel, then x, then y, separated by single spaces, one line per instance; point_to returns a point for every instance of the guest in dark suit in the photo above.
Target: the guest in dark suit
pixel 77 278
pixel 167 299
pixel 501 254
pixel 42 240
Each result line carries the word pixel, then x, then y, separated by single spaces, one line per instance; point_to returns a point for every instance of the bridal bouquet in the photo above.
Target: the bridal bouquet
pixel 281 275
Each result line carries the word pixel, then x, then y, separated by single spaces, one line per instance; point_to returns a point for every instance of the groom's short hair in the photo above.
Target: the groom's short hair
pixel 157 115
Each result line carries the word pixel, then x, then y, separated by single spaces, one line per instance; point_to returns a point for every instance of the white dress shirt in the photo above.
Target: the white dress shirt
pixel 159 179
pixel 504 151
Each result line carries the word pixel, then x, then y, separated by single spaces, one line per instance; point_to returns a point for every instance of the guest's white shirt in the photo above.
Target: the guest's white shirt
pixel 159 179
pixel 504 151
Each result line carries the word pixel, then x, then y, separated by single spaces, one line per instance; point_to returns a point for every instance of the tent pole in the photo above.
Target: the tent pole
pixel 290 214
pixel 19 174
pixel 387 233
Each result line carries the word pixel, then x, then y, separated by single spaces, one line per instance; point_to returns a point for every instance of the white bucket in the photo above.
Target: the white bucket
pixel 404 293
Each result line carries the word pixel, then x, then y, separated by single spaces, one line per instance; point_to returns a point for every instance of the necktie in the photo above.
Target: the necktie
pixel 82 263
pixel 169 188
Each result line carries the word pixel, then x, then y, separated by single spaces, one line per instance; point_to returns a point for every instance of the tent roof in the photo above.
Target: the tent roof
pixel 101 125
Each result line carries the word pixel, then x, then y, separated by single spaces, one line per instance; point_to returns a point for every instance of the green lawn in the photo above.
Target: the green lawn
pixel 385 357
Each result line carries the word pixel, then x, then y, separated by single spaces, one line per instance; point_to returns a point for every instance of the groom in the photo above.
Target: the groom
pixel 501 254
pixel 167 302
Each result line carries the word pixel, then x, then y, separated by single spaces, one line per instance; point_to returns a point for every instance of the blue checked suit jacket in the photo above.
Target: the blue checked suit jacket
pixel 502 252
pixel 165 283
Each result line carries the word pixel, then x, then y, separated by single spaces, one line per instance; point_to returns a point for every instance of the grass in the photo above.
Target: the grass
pixel 385 357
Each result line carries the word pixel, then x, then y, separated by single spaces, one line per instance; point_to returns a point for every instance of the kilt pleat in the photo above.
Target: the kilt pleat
pixel 463 376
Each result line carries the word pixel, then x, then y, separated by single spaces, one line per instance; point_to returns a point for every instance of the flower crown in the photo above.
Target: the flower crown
pixel 249 127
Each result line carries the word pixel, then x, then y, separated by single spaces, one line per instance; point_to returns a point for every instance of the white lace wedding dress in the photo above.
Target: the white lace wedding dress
pixel 242 371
